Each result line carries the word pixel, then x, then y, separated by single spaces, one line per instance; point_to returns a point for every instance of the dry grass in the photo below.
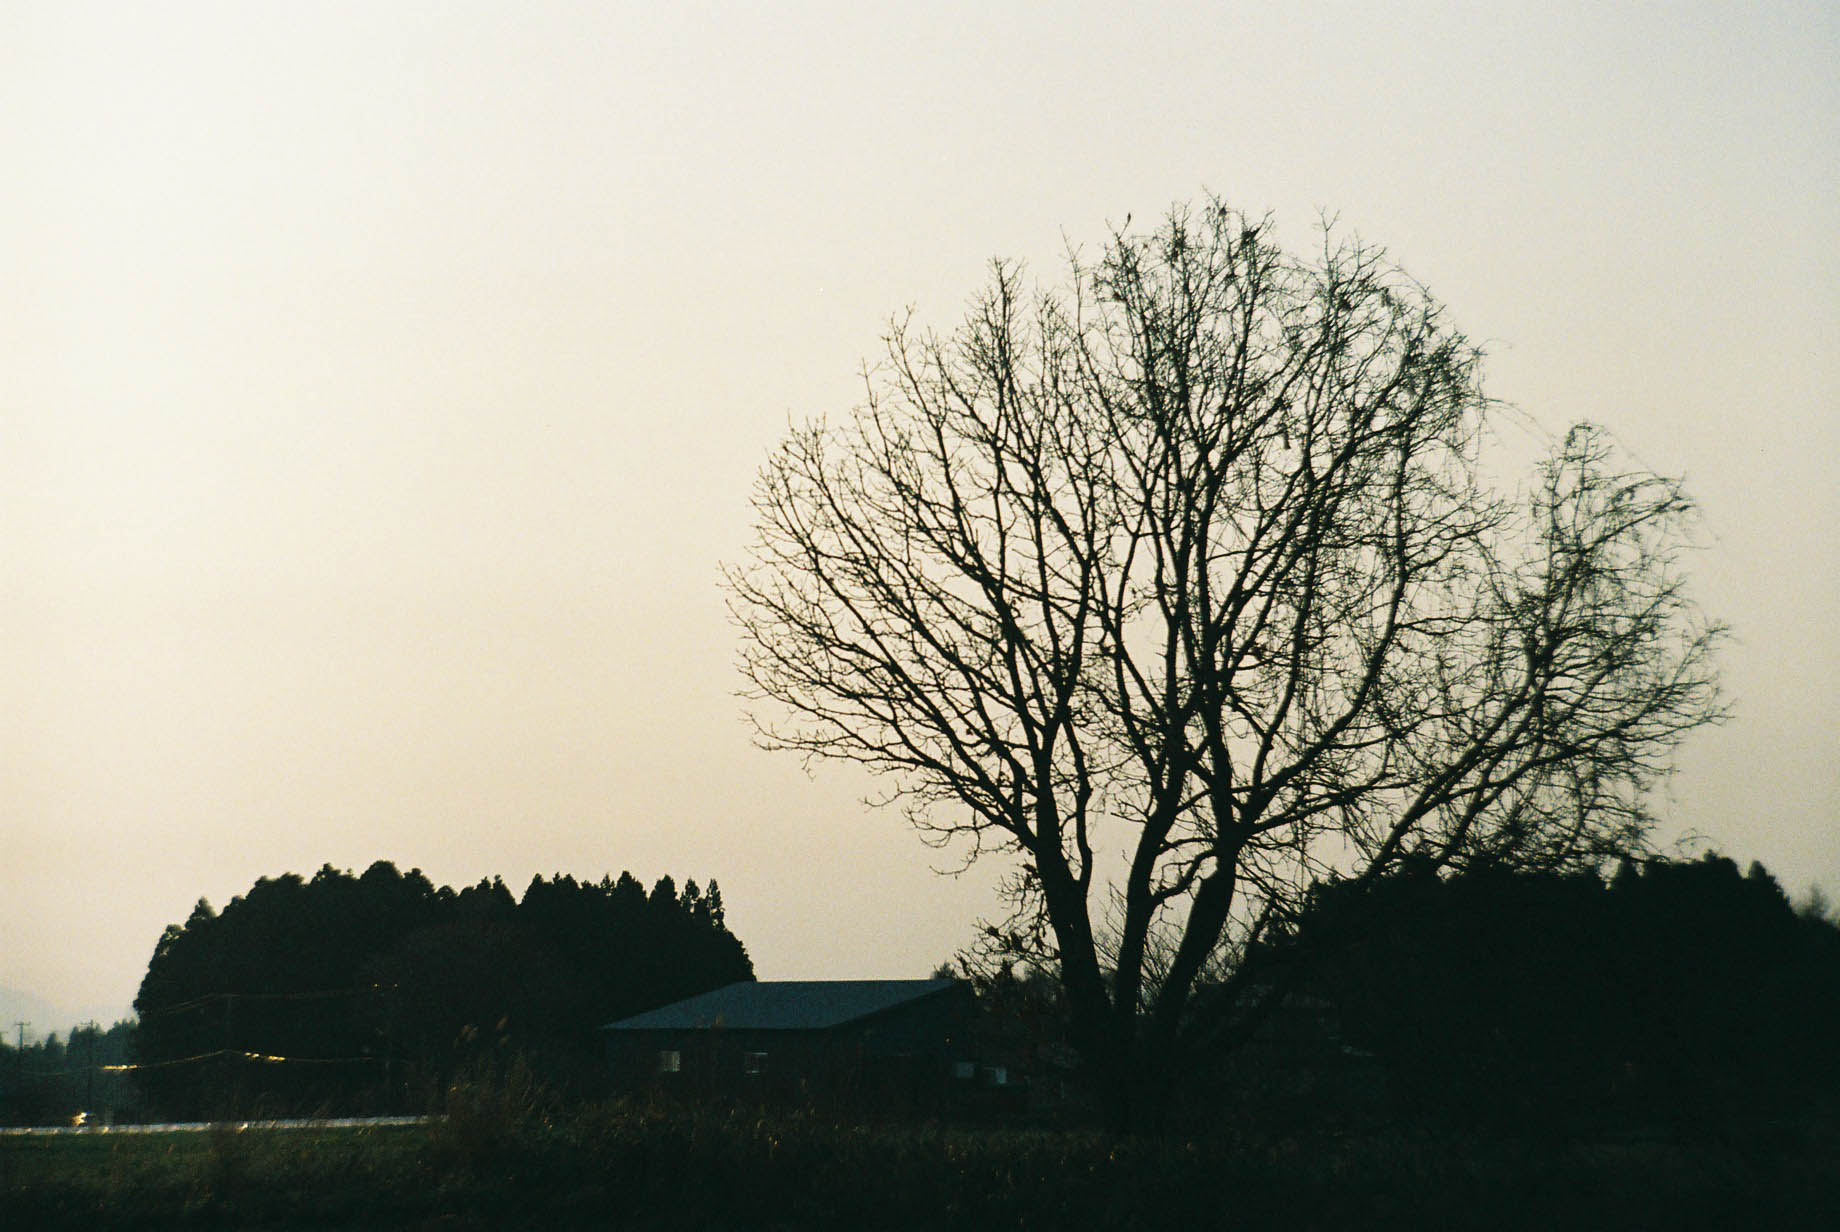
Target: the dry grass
pixel 510 1162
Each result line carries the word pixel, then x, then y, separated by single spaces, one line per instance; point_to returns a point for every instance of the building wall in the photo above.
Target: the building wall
pixel 903 1059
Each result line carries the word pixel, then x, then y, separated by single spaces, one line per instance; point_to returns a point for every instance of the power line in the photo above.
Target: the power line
pixel 268 1058
pixel 324 994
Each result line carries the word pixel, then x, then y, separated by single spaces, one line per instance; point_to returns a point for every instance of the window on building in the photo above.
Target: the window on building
pixel 670 1061
pixel 754 1063
pixel 964 1071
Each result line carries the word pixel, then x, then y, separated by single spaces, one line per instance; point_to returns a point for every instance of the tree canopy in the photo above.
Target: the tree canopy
pixel 370 991
pixel 1677 988
pixel 1182 588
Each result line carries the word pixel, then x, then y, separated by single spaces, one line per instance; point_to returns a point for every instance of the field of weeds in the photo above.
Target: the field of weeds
pixel 624 1167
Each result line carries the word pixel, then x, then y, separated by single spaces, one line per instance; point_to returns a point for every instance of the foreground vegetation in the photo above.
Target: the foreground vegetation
pixel 496 1164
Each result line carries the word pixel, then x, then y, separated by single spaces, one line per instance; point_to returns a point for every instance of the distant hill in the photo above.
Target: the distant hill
pixel 17 1005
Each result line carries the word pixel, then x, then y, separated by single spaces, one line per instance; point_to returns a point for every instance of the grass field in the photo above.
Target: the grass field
pixel 615 1167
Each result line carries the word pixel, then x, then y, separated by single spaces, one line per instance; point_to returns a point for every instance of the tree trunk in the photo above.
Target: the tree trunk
pixel 1135 1088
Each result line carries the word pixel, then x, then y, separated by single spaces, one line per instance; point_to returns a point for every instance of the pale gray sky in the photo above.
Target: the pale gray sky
pixel 381 386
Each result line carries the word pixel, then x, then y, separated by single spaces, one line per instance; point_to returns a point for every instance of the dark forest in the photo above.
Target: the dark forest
pixel 369 993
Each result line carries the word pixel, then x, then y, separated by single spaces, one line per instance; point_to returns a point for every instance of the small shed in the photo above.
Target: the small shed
pixel 905 1043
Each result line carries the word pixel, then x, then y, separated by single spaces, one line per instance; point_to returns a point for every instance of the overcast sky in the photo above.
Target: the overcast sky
pixel 382 384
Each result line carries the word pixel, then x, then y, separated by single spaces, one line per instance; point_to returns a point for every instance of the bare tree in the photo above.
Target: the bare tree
pixel 1182 589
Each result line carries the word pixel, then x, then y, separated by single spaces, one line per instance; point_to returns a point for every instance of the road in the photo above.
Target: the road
pixel 192 1127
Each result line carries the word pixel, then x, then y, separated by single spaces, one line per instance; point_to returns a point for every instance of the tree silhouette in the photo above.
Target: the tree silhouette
pixel 1195 559
pixel 369 991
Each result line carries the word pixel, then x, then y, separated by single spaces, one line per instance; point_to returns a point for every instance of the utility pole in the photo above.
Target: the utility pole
pixel 389 1047
pixel 19 1058
pixel 89 1079
pixel 232 1057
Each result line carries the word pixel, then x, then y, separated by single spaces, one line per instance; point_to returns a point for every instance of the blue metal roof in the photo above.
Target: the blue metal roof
pixel 783 1005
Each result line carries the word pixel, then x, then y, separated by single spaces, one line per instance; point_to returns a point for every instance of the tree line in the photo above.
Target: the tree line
pixel 1673 989
pixel 53 1080
pixel 1668 991
pixel 370 993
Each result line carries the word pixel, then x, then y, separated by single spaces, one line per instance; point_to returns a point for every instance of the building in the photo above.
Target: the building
pixel 902 1045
